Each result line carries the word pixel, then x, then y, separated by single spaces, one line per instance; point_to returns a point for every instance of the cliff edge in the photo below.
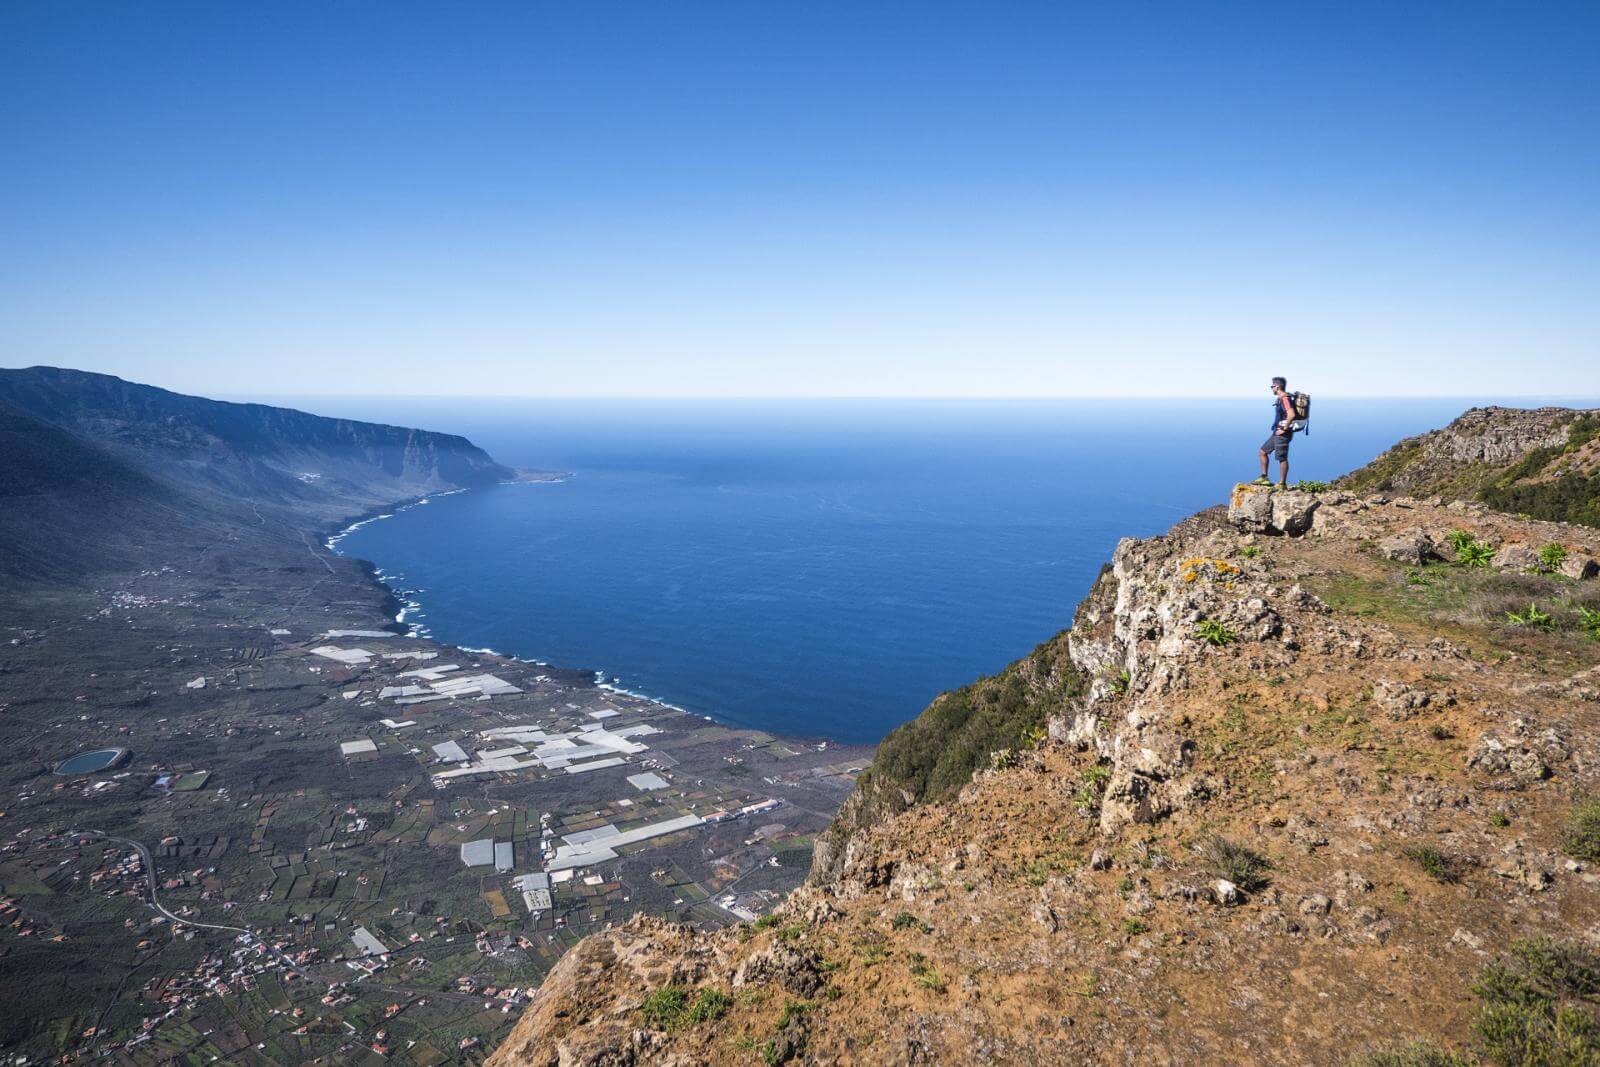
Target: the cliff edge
pixel 1310 779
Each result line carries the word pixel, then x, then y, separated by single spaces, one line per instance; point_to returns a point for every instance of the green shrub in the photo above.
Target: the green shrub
pixel 792 1010
pixel 1250 552
pixel 1580 836
pixel 670 1007
pixel 709 1005
pixel 1135 927
pixel 1214 633
pixel 1307 486
pixel 1435 864
pixel 1551 556
pixel 1474 553
pixel 1092 785
pixel 1538 1005
pixel 1237 863
pixel 1589 622
pixel 1533 618
pixel 1416 1054
pixel 907 921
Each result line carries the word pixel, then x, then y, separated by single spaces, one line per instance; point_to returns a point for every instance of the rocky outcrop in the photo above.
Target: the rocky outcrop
pixel 1307 781
pixel 1541 462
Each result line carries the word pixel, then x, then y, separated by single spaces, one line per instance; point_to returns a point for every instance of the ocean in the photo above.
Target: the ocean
pixel 813 568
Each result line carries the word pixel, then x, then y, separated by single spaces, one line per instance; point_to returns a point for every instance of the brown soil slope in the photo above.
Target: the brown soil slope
pixel 1317 783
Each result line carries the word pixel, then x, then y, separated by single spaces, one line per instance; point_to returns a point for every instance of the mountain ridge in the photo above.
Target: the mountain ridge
pixel 106 466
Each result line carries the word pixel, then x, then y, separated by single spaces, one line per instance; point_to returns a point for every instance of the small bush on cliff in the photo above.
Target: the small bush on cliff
pixel 1237 863
pixel 1552 556
pixel 1474 553
pixel 1435 864
pixel 1214 633
pixel 1091 787
pixel 1580 837
pixel 670 1007
pixel 1540 1005
pixel 1533 618
pixel 1417 1054
pixel 1589 622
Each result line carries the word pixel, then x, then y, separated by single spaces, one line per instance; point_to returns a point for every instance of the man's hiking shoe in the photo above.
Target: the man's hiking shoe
pixel 1263 480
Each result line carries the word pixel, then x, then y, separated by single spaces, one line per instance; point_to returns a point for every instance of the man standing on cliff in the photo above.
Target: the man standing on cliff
pixel 1277 442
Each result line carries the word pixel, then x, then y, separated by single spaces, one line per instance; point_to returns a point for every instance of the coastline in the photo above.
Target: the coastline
pixel 399 603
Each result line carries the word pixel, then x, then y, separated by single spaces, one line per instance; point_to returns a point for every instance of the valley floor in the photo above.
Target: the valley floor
pixel 291 818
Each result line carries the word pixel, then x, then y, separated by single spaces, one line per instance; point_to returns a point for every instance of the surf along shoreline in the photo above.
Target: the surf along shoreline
pixel 398 603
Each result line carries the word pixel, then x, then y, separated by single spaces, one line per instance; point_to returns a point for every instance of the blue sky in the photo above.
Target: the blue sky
pixel 805 199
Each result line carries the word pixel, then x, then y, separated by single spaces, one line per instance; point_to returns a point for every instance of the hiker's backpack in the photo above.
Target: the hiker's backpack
pixel 1302 411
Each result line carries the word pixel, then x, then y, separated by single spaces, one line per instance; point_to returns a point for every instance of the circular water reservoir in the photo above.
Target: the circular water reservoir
pixel 89 762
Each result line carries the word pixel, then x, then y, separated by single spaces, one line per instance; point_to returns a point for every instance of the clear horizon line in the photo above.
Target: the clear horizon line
pixel 898 397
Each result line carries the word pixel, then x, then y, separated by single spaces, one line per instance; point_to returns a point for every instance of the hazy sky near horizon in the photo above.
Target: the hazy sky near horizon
pixel 794 200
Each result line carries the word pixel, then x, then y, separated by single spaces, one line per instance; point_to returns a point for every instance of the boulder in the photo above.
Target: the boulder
pixel 1579 567
pixel 1412 546
pixel 1516 557
pixel 1261 509
pixel 1250 508
pixel 1292 511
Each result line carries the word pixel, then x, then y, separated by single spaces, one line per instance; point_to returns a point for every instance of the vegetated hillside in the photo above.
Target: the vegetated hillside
pixel 68 507
pixel 1318 785
pixel 103 475
pixel 1541 462
pixel 320 466
pixel 933 756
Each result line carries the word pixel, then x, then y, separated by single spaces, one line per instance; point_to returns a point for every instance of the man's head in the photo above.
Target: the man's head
pixel 1280 385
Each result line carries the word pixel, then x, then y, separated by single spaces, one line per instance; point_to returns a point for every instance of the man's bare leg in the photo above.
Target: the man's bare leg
pixel 1263 463
pixel 1283 473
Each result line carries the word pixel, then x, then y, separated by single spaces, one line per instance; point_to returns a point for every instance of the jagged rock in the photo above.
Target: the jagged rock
pixel 1099 861
pixel 1500 758
pixel 1158 754
pixel 1412 546
pixel 1516 558
pixel 1224 892
pixel 1130 798
pixel 1349 885
pixel 1315 904
pixel 1401 701
pixel 798 972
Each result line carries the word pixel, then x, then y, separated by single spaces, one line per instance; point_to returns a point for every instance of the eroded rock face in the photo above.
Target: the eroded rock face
pixel 1227 698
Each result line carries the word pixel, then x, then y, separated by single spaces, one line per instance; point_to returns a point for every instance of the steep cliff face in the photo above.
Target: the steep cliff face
pixel 267 454
pixel 1306 791
pixel 102 475
pixel 1543 462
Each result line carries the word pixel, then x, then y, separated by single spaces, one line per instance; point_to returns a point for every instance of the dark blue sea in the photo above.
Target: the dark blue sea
pixel 815 568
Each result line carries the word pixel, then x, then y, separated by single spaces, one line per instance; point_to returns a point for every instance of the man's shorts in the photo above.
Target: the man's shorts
pixel 1278 445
